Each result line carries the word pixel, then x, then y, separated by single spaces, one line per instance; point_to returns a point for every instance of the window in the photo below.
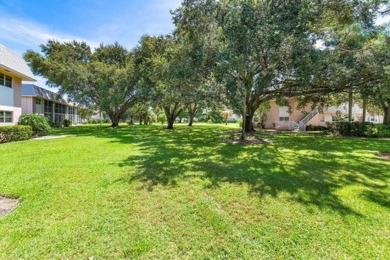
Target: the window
pixel 284 111
pixel 71 110
pixel 48 106
pixel 60 108
pixel 6 117
pixel 284 118
pixel 5 80
pixel 37 101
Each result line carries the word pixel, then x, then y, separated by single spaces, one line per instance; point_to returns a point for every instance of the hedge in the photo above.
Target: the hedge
pixel 360 129
pixel 15 133
pixel 381 131
pixel 316 128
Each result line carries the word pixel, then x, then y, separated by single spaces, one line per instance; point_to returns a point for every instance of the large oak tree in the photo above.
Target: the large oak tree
pixel 104 77
pixel 269 48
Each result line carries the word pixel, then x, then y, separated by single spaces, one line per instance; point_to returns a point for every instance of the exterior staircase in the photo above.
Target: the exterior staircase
pixel 301 126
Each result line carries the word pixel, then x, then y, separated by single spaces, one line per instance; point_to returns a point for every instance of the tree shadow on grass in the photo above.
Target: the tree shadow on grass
pixel 310 169
pixel 377 196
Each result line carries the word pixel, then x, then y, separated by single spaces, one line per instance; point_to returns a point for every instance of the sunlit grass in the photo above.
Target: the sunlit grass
pixel 143 191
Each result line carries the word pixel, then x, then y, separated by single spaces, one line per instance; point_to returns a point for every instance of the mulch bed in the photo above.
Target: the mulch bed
pixel 385 156
pixel 7 205
pixel 234 137
pixel 246 141
pixel 248 134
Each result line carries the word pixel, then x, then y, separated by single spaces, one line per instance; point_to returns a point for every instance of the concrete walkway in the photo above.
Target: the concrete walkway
pixel 47 137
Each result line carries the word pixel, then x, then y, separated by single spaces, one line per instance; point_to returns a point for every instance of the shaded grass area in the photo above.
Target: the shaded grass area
pixel 147 192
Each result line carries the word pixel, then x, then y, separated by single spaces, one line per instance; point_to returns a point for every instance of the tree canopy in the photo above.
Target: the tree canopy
pixel 242 52
pixel 105 77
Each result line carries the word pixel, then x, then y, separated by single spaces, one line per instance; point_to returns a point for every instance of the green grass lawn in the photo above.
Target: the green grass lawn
pixel 147 192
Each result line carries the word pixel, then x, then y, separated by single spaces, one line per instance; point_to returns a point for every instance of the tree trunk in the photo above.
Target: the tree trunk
pixel 386 118
pixel 171 120
pixel 249 120
pixel 364 108
pixel 192 110
pixel 243 132
pixel 191 120
pixel 350 103
pixel 115 121
pixel 171 114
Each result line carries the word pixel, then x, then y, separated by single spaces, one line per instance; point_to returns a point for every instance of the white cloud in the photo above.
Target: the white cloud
pixel 31 34
pixel 20 35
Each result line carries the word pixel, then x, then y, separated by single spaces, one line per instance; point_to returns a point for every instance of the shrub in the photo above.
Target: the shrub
pixel 95 121
pixel 359 129
pixel 161 118
pixel 381 131
pixel 67 123
pixel 55 125
pixel 15 133
pixel 239 121
pixel 39 124
pixel 316 128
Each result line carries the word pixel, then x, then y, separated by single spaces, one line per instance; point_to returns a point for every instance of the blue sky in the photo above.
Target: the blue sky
pixel 25 24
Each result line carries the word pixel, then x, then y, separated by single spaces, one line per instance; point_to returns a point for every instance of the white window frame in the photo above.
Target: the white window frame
pixel 4 115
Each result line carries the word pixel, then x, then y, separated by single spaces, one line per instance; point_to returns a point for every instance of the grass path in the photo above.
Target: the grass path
pixel 152 193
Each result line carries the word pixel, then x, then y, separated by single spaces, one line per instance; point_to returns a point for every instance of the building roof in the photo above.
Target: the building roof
pixel 32 90
pixel 12 62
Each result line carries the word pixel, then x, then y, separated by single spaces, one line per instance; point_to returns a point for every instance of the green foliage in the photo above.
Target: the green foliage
pixel 39 124
pixel 141 112
pixel 215 115
pixel 374 62
pixel 268 49
pixel 381 131
pixel 316 128
pixel 151 117
pixel 55 125
pixel 85 113
pixel 359 129
pixel 67 123
pixel 159 60
pixel 15 133
pixel 105 77
pixel 95 121
pixel 161 118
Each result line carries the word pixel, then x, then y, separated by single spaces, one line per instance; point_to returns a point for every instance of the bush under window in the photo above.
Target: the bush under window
pixel 39 124
pixel 15 133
